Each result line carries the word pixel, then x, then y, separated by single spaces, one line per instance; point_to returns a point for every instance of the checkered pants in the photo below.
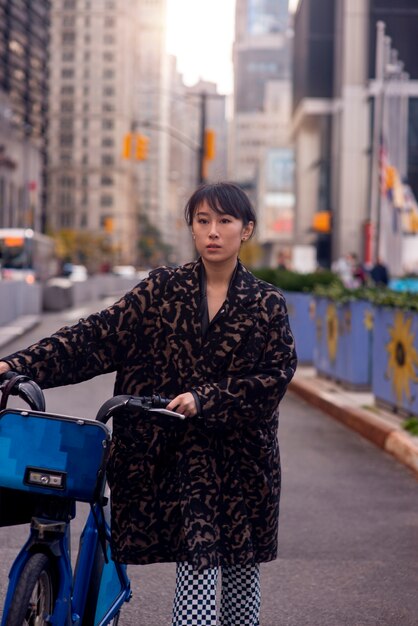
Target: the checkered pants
pixel 195 597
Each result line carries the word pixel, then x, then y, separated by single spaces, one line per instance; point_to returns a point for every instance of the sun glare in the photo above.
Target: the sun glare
pixel 200 34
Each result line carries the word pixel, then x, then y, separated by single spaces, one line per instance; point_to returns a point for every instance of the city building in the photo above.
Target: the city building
pixel 262 112
pixel 343 119
pixel 93 60
pixel 24 35
pixel 109 109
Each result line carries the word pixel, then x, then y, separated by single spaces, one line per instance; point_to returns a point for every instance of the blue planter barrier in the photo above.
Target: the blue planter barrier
pixel 343 349
pixel 395 360
pixel 302 323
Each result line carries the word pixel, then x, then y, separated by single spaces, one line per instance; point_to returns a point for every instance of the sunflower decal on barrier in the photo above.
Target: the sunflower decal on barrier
pixel 368 319
pixel 403 357
pixel 332 331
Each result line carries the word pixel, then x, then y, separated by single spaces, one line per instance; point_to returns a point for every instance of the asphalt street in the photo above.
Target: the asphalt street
pixel 348 532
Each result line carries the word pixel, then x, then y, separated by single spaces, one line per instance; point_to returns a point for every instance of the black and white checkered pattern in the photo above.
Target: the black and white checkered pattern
pixel 240 599
pixel 195 597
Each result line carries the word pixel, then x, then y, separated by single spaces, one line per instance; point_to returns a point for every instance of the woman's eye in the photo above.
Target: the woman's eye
pixel 201 220
pixel 225 220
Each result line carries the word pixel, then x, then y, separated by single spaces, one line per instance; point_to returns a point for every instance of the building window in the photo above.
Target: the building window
pixel 85 123
pixel 69 5
pixel 108 124
pixel 67 72
pixel 67 56
pixel 85 181
pixel 66 123
pixel 109 57
pixel 85 142
pixel 85 159
pixel 106 200
pixel 109 39
pixel 108 73
pixel 83 220
pixel 86 90
pixel 68 21
pixel 106 181
pixel 108 107
pixel 66 140
pixel 67 90
pixel 87 39
pixel 68 37
pixel 108 142
pixel 86 107
pixel 65 157
pixel 109 22
pixel 108 159
pixel 108 91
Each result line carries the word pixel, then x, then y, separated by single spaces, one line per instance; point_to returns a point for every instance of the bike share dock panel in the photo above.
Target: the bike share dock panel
pixel 52 454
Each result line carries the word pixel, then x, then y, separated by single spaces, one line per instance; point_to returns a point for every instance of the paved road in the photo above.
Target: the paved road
pixel 348 534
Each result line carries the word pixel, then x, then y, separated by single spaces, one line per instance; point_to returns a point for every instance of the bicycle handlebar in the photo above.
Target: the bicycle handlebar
pixel 133 404
pixel 13 384
pixel 20 385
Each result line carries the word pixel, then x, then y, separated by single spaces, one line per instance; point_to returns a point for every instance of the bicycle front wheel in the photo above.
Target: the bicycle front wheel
pixel 33 599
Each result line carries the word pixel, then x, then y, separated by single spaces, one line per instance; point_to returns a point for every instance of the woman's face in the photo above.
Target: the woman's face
pixel 218 237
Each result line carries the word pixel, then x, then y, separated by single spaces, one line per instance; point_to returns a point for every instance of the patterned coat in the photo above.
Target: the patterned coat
pixel 205 489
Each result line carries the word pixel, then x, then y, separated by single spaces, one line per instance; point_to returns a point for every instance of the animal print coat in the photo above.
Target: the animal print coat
pixel 204 489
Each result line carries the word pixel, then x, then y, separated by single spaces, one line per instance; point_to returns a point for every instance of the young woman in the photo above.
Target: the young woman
pixel 203 491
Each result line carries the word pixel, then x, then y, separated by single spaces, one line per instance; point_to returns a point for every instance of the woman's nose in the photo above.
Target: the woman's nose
pixel 213 230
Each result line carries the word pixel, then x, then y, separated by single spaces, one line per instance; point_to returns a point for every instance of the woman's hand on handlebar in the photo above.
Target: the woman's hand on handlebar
pixel 4 367
pixel 184 404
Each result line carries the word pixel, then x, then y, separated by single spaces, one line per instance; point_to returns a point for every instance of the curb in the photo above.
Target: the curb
pixel 385 436
pixel 20 326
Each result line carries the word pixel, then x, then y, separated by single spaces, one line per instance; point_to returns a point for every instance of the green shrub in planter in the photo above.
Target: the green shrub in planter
pixel 295 281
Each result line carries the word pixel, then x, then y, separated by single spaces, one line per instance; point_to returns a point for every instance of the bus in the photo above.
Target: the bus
pixel 26 255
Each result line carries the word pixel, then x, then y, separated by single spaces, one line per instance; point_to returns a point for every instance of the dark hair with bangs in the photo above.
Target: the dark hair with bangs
pixel 223 198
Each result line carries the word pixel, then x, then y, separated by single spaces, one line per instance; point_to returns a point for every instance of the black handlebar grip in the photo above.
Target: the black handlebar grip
pixel 158 402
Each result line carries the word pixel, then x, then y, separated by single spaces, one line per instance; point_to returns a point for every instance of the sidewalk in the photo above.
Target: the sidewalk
pixel 20 326
pixel 356 410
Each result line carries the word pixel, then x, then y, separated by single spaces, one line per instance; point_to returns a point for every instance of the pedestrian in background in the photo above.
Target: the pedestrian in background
pixel 203 491
pixel 358 271
pixel 379 273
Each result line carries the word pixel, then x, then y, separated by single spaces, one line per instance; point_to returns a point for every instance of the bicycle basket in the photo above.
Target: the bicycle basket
pixel 55 455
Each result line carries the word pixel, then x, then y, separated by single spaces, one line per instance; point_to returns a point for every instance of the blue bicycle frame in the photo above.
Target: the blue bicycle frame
pixel 53 537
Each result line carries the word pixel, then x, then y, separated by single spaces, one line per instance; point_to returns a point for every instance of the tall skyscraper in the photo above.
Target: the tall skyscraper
pixel 108 79
pixel 24 35
pixel 261 58
pixel 262 111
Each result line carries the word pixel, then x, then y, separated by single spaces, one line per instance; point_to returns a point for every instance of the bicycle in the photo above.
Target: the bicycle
pixel 41 484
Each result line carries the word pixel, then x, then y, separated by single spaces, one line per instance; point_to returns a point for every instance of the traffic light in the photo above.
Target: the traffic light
pixel 127 146
pixel 210 140
pixel 141 148
pixel 322 222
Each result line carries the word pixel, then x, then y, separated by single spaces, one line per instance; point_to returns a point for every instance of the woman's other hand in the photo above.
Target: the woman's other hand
pixel 4 367
pixel 184 404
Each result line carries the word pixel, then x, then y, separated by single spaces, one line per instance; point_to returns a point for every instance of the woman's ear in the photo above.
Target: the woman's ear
pixel 247 231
